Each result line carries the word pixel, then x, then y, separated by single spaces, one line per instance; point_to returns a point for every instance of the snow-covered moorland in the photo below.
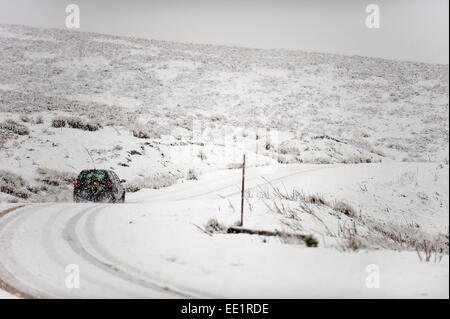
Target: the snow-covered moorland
pixel 346 153
pixel 330 108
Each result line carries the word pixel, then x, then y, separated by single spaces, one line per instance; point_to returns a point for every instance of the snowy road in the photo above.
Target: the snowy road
pixel 150 248
pixel 38 242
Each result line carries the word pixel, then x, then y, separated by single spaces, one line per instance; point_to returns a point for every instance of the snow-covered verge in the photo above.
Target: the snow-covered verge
pixel 262 266
pixel 42 165
pixel 394 221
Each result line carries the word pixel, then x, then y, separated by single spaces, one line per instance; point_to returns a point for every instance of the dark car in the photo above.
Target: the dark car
pixel 98 186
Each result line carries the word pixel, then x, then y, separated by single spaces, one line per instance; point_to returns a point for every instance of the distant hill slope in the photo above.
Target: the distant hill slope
pixel 391 109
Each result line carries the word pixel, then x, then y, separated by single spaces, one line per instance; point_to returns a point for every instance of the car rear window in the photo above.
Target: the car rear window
pixel 99 176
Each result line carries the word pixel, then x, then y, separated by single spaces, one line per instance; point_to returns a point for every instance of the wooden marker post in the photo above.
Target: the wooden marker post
pixel 243 192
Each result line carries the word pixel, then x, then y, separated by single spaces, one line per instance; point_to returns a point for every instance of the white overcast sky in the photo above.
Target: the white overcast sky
pixel 414 30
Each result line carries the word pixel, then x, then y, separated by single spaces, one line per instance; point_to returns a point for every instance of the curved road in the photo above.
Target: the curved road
pixel 39 243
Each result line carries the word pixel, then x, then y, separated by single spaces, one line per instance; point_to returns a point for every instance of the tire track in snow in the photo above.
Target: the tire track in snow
pixel 10 280
pixel 23 282
pixel 113 266
pixel 181 290
pixel 28 283
pixel 3 284
pixel 49 246
pixel 24 279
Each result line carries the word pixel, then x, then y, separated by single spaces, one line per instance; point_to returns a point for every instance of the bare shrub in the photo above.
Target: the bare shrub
pixel 395 236
pixel 14 185
pixel 279 207
pixel 79 123
pixel 263 193
pixel 53 186
pixel 58 122
pixel 141 133
pixel 375 233
pixel 316 199
pixel 53 177
pixel 428 250
pixel 192 174
pixel 282 159
pixel 294 195
pixel 350 239
pixel 213 226
pixel 202 155
pixel 15 127
pixel 405 237
pixel 151 130
pixel 311 241
pixel 344 208
pixel 76 122
pixel 123 164
pixel 379 234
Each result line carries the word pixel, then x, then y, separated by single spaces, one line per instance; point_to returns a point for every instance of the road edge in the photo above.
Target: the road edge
pixel 3 284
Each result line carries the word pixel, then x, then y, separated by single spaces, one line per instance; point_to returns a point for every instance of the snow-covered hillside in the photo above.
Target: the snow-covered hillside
pixel 325 108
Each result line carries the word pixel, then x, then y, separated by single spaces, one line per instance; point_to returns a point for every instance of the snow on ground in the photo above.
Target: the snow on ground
pixel 240 261
pixel 244 267
pixel 375 107
pixel 350 151
pixel 159 246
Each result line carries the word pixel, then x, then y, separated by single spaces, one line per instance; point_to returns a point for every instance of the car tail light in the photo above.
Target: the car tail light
pixel 109 185
pixel 75 184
